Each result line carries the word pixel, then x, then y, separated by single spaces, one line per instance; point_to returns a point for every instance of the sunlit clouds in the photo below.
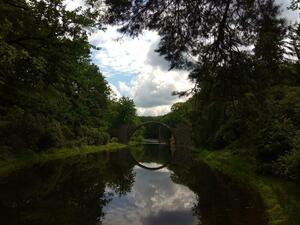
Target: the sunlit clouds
pixel 134 69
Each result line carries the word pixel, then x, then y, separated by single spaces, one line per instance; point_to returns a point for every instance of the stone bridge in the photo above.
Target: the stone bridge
pixel 181 134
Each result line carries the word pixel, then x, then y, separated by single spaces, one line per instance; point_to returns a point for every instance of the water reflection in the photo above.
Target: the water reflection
pixel 70 191
pixel 109 189
pixel 153 199
pixel 159 153
pixel 221 199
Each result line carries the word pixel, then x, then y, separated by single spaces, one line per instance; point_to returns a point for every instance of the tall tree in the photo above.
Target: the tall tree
pixel 49 91
pixel 271 30
pixel 208 31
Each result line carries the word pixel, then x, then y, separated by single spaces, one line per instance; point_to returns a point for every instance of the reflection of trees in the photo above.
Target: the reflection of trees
pixel 221 199
pixel 64 192
pixel 72 191
pixel 120 176
pixel 157 153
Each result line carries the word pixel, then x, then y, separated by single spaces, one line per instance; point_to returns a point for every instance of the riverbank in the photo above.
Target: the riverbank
pixel 281 198
pixel 23 160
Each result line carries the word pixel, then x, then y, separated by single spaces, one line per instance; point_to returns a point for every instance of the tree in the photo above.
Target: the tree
pixel 180 114
pixel 295 4
pixel 122 112
pixel 271 31
pixel 209 31
pixel 50 93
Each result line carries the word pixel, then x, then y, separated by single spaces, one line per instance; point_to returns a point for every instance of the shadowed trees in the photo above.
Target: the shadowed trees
pixel 51 95
pixel 244 61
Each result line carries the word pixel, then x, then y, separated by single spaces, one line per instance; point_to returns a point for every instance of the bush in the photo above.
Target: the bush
pixel 289 164
pixel 114 140
pixel 277 140
pixel 21 130
pixel 95 136
pixel 52 136
pixel 273 142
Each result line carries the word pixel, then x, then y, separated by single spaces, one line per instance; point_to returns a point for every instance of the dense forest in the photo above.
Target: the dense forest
pixel 243 58
pixel 51 95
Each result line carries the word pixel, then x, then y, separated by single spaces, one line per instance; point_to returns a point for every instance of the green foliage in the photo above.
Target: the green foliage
pixel 277 141
pixel 29 158
pixel 94 136
pixel 209 30
pixel 121 112
pixel 51 137
pixel 137 138
pixel 273 142
pixel 271 31
pixel 280 197
pixel 179 114
pixel 251 101
pixel 289 164
pixel 50 93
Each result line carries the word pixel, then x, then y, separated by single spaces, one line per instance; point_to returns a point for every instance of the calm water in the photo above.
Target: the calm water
pixel 116 189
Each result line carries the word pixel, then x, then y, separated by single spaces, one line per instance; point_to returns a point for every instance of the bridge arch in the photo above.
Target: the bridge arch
pixel 136 127
pixel 172 142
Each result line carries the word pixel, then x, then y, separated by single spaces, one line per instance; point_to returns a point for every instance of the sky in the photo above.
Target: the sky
pixel 132 67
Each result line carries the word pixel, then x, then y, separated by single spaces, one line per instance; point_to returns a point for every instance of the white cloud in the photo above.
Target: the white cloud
pixel 124 88
pixel 115 91
pixel 122 53
pixel 152 91
pixel 288 13
pixel 153 111
pixel 154 59
pixel 73 4
pixel 151 84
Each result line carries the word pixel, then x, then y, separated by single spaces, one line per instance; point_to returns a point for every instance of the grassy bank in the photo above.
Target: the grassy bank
pixel 29 158
pixel 281 198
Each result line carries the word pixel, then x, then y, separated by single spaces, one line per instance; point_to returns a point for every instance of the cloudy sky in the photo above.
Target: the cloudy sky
pixel 133 69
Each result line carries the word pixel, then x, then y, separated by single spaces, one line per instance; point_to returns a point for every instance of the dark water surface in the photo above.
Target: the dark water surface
pixel 111 189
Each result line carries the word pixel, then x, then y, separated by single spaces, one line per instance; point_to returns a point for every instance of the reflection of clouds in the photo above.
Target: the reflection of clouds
pixel 154 199
pixel 169 217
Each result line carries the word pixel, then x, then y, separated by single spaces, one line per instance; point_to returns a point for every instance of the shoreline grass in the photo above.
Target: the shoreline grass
pixel 31 158
pixel 281 203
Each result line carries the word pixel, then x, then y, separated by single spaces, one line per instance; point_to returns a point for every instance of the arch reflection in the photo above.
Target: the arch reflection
pixel 145 154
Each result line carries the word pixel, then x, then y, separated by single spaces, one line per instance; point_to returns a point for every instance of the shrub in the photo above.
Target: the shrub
pixel 274 141
pixel 289 164
pixel 52 136
pixel 277 140
pixel 21 129
pixel 95 136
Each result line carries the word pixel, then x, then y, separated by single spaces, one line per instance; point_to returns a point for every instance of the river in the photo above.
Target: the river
pixel 116 188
